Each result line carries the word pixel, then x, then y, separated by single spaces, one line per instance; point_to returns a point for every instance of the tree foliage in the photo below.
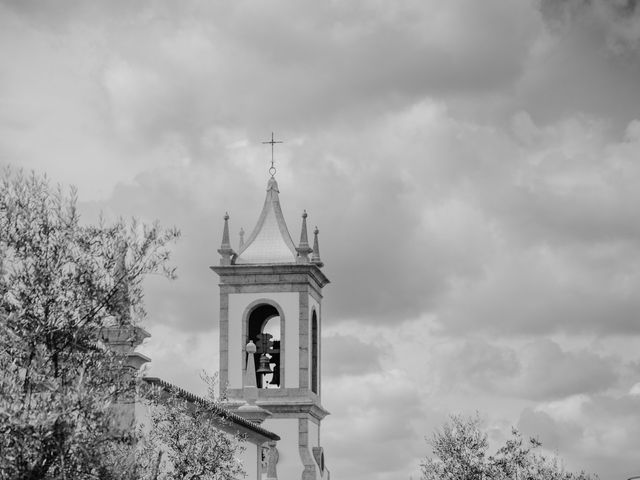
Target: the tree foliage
pixel 61 284
pixel 186 437
pixel 460 452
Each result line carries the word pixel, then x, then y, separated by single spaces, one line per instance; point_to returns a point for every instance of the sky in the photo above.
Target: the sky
pixel 473 168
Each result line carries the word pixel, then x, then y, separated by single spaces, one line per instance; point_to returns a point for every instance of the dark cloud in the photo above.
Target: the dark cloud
pixel 590 63
pixel 604 19
pixel 178 71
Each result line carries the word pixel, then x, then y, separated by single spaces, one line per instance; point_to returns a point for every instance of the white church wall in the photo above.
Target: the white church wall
pixel 314 434
pixel 249 459
pixel 291 346
pixel 238 302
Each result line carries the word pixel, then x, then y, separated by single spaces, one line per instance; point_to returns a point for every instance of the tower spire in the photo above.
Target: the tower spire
pixel 270 241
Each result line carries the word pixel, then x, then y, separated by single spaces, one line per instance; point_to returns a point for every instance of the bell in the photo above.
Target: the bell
pixel 264 367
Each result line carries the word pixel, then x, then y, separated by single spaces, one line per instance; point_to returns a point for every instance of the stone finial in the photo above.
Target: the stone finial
pixel 250 410
pixel 272 185
pixel 225 249
pixel 303 248
pixel 241 239
pixel 250 371
pixel 121 288
pixel 315 256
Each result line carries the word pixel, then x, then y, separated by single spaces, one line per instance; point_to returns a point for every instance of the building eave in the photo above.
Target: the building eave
pixel 221 412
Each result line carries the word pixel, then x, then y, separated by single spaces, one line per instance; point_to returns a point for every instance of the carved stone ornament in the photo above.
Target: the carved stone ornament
pixel 272 460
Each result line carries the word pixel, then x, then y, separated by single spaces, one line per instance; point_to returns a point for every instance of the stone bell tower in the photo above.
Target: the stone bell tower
pixel 270 343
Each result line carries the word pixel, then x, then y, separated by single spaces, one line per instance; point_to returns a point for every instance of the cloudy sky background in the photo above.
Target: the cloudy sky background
pixel 473 168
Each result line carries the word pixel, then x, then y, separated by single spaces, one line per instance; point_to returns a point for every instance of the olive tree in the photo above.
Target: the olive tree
pixel 61 283
pixel 461 452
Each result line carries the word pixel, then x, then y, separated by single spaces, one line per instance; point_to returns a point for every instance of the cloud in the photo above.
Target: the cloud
pixel 472 365
pixel 348 355
pixel 549 372
pixel 539 370
pixel 180 357
pixel 565 208
pixel 179 71
pixel 616 23
pixel 598 434
pixel 586 62
pixel 531 233
pixel 384 407
pixel 472 167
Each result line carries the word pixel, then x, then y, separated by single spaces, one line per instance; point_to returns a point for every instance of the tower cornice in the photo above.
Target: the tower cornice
pixel 270 274
pixel 293 407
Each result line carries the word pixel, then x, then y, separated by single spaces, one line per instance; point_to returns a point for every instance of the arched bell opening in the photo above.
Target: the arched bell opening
pixel 314 352
pixel 263 327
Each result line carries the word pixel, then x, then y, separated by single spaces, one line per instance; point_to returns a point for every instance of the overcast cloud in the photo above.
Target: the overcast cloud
pixel 472 168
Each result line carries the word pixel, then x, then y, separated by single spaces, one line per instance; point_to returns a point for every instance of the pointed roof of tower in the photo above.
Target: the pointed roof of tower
pixel 270 241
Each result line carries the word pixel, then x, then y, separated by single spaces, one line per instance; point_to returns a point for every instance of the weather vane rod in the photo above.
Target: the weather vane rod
pixel 272 142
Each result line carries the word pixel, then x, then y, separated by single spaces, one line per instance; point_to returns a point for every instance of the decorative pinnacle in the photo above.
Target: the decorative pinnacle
pixel 304 240
pixel 225 249
pixel 272 142
pixel 303 248
pixel 225 232
pixel 315 256
pixel 241 237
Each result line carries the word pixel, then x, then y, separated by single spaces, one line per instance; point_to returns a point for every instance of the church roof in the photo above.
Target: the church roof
pixel 221 412
pixel 270 241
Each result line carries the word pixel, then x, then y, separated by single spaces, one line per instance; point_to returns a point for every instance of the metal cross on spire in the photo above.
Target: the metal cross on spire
pixel 272 142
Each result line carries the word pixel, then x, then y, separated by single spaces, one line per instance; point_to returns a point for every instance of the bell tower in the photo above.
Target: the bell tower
pixel 270 341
